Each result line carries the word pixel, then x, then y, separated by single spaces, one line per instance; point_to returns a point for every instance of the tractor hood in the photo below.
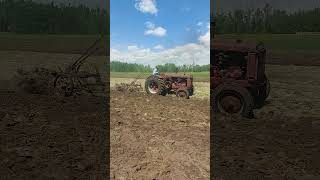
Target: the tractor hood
pixel 237 45
pixel 180 75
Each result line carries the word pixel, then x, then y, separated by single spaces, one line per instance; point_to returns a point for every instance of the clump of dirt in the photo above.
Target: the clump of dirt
pixel 35 81
pixel 129 87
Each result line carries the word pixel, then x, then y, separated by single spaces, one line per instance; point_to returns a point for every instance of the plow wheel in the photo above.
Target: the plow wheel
pixel 89 79
pixel 64 85
pixel 182 93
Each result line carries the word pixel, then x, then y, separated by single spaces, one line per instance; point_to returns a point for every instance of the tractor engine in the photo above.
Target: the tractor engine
pixel 234 72
pixel 177 83
pixel 228 66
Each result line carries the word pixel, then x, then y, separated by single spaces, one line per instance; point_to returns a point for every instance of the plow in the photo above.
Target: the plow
pixel 77 78
pixel 133 86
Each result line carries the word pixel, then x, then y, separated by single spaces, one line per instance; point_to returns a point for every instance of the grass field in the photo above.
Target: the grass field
pixel 70 44
pixel 282 42
pixel 282 49
pixel 198 76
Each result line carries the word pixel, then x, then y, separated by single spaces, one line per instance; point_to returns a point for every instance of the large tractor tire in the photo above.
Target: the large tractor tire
pixel 155 86
pixel 233 99
pixel 263 94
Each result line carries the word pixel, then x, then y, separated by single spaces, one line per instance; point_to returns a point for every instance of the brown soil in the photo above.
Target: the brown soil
pixel 294 59
pixel 50 137
pixel 45 137
pixel 159 137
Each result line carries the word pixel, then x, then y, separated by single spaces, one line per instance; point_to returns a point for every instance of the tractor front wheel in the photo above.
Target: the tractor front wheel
pixel 191 91
pixel 183 93
pixel 232 99
pixel 263 94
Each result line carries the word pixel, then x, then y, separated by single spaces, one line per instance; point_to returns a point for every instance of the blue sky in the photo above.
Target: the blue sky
pixel 158 28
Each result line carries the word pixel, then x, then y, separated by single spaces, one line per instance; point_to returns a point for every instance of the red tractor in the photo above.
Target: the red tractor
pixel 163 84
pixel 238 80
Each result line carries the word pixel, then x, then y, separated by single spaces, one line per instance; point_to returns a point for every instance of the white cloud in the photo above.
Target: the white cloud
pixel 199 23
pixel 133 48
pixel 158 47
pixel 147 6
pixel 159 31
pixel 179 55
pixel 184 54
pixel 149 25
pixel 205 39
pixel 114 51
pixel 186 9
pixel 155 31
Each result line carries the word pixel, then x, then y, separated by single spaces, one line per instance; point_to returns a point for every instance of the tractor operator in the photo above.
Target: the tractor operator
pixel 155 71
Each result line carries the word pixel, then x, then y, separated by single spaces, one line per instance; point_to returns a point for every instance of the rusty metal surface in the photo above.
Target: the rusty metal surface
pixel 79 77
pixel 74 79
pixel 240 65
pixel 249 75
pixel 180 75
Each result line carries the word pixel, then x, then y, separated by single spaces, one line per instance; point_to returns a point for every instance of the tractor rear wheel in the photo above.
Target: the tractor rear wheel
pixel 155 85
pixel 233 99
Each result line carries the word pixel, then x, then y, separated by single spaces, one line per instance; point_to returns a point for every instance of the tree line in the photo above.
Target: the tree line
pixel 169 67
pixel 26 16
pixel 116 66
pixel 268 20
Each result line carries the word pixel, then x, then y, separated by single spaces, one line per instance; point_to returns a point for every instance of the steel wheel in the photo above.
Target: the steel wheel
pixel 64 85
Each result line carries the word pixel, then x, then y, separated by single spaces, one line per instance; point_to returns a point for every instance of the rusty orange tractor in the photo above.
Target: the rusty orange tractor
pixel 238 81
pixel 164 83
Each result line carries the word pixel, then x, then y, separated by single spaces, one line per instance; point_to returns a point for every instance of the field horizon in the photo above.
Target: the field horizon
pixel 198 76
pixel 282 49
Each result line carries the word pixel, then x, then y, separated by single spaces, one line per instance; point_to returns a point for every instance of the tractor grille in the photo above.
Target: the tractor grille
pixel 261 66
